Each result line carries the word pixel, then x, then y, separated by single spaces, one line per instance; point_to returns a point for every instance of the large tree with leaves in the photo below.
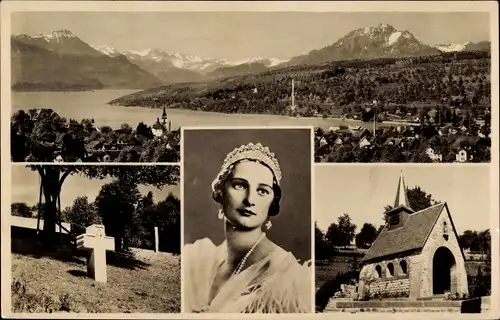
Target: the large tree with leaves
pixel 116 204
pixel 322 249
pixel 342 232
pixel 53 177
pixel 21 209
pixel 366 236
pixel 81 215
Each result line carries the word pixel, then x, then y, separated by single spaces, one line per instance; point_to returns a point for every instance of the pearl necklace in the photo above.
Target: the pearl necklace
pixel 240 266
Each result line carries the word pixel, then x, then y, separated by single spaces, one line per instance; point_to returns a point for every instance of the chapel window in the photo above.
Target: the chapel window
pixel 378 269
pixel 404 267
pixel 445 230
pixel 390 269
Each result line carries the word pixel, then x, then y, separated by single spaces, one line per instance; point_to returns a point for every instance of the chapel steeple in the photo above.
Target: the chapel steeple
pixel 401 196
pixel 397 216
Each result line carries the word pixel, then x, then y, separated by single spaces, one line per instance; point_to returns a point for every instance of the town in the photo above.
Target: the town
pixel 462 138
pixel 42 135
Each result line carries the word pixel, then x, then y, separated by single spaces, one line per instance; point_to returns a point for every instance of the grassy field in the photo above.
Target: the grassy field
pixel 143 282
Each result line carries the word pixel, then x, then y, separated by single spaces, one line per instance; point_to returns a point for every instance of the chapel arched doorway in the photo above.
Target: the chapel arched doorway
pixel 443 272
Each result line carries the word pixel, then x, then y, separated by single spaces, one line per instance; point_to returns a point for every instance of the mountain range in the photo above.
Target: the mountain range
pixel 178 67
pixel 62 61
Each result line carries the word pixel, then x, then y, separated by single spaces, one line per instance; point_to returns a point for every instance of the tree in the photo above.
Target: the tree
pixel 380 228
pixel 53 177
pixel 80 215
pixel 141 232
pixel 322 250
pixel 467 238
pixel 168 221
pixel 418 200
pixel 144 130
pixel 21 209
pixel 484 241
pixel 366 236
pixel 116 203
pixel 341 233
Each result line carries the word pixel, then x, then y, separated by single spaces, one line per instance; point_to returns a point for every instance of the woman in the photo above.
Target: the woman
pixel 247 273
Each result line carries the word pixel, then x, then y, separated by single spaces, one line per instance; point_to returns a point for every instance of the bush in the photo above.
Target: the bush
pixel 330 287
pixel 481 284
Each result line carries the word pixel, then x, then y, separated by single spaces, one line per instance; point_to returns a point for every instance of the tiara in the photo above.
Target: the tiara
pixel 254 152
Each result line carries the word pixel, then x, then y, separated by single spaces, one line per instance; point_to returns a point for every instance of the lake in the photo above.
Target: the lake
pixel 93 104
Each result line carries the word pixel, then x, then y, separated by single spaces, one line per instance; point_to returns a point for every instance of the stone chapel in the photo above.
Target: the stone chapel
pixel 416 255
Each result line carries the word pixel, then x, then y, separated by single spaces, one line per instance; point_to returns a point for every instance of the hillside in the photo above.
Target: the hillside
pixel 54 284
pixel 34 68
pixel 71 64
pixel 483 45
pixel 335 88
pixel 243 69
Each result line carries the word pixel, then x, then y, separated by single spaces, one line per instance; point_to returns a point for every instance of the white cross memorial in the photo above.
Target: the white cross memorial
pixel 95 239
pixel 157 241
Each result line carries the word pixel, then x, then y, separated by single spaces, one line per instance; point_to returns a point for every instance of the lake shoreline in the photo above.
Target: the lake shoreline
pixel 342 120
pixel 94 105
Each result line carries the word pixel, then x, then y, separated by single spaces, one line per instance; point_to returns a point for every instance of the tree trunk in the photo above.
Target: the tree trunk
pixel 51 180
pixel 50 184
pixel 118 243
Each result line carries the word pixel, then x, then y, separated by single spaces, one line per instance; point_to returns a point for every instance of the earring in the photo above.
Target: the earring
pixel 269 224
pixel 221 214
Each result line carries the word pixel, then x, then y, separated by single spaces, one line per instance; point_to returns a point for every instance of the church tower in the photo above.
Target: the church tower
pixel 397 215
pixel 164 116
pixel 165 120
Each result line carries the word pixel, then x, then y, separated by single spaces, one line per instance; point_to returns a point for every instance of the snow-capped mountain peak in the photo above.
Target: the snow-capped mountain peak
pixel 107 50
pixel 451 47
pixel 142 53
pixel 394 37
pixel 184 61
pixel 373 32
pixel 56 35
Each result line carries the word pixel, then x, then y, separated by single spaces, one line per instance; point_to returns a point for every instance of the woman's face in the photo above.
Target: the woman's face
pixel 248 194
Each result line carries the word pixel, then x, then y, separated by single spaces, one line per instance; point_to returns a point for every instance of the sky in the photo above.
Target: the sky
pixel 241 35
pixel 362 191
pixel 26 187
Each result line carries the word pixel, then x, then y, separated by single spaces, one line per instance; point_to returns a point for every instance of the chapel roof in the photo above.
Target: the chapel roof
pixel 411 235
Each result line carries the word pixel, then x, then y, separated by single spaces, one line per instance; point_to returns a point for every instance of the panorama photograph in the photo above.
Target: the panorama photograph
pixel 377 87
